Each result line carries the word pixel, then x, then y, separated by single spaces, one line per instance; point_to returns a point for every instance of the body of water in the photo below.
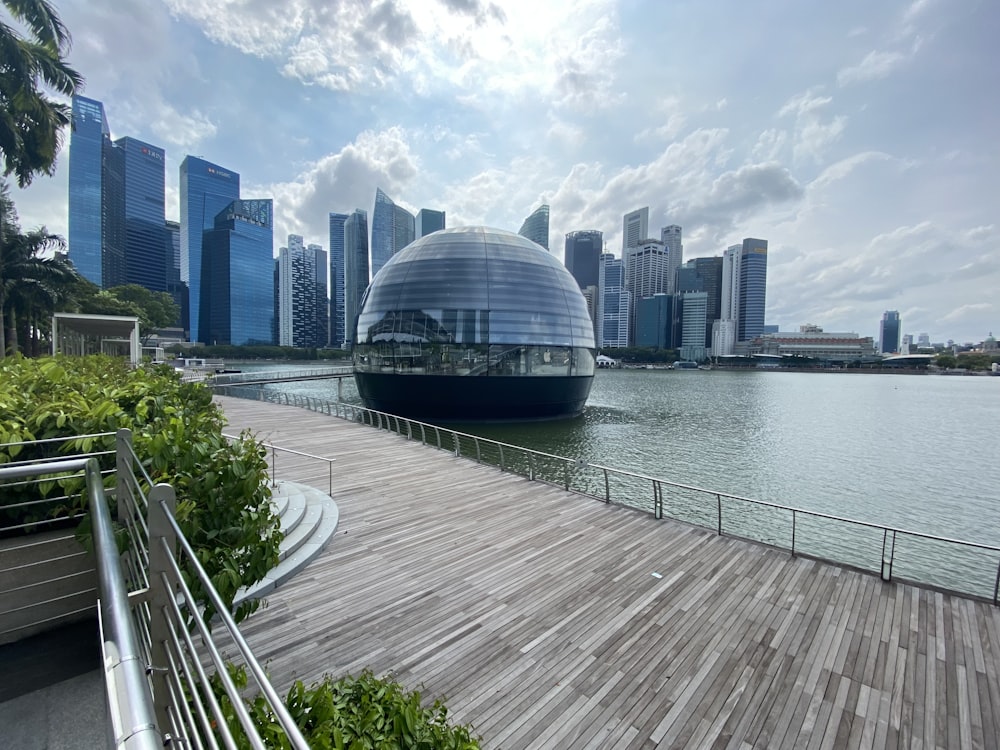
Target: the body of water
pixel 913 452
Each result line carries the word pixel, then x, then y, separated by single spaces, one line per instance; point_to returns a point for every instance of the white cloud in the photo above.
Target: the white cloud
pixel 814 131
pixel 876 64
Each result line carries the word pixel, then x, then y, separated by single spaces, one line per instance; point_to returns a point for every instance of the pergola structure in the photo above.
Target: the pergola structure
pixel 79 335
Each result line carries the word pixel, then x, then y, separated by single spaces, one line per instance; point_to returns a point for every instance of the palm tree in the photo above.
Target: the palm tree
pixel 32 284
pixel 31 123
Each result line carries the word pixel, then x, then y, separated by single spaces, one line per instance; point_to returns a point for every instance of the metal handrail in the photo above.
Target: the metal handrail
pixel 235 378
pixel 275 448
pixel 129 696
pixel 384 420
pixel 156 643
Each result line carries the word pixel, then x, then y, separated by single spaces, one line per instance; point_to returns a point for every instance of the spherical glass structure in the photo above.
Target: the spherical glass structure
pixel 474 324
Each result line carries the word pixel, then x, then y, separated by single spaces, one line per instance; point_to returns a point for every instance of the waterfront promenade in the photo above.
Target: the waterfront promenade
pixel 548 619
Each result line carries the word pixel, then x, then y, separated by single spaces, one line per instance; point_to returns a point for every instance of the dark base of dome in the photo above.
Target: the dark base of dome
pixel 463 398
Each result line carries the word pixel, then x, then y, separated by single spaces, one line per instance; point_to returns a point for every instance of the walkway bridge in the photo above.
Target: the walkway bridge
pixel 280 376
pixel 551 619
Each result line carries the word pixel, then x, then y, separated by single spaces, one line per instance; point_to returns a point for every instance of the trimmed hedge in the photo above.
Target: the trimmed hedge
pixel 223 497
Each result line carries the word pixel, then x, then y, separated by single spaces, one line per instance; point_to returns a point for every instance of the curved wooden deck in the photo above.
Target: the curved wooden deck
pixel 548 619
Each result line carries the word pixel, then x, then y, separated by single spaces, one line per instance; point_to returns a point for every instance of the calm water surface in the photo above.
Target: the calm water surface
pixel 912 452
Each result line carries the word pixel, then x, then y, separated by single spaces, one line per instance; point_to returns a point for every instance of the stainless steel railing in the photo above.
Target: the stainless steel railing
pixel 235 378
pixel 162 659
pixel 955 565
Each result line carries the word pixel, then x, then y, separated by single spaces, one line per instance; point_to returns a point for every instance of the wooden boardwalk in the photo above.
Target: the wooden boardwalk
pixel 551 620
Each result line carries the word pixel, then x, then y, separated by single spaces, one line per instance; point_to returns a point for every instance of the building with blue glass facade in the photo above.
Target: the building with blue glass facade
pixel 614 311
pixel 146 261
pixel 237 273
pixel 116 204
pixel 428 220
pixel 889 329
pixel 582 256
pixel 338 325
pixel 474 323
pixel 392 229
pixel 205 190
pixel 536 226
pixel 654 321
pixel 355 268
pixel 86 164
pixel 752 289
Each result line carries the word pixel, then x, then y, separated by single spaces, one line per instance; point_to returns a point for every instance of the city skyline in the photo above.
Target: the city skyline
pixel 810 129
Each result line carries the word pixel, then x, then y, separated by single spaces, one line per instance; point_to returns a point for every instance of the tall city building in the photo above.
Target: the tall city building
pixel 237 274
pixel 753 289
pixel 654 321
pixel 693 314
pixel 582 256
pixel 205 190
pixel 355 269
pixel 116 204
pixel 87 142
pixel 392 230
pixel 536 226
pixel 175 287
pixel 635 228
pixel 428 220
pixel 146 262
pixel 703 275
pixel 615 310
pixel 338 326
pixel 671 238
pixel 889 330
pixel 321 290
pixel 296 303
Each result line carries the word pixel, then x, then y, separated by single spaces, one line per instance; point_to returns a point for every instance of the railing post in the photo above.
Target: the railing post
pixel 458 445
pixel 531 467
pixel 423 434
pixel 500 446
pixel 329 464
pixel 996 588
pixel 438 433
pixel 657 500
pixel 274 467
pixel 607 487
pixel 162 541
pixel 479 458
pixel 719 500
pixel 886 568
pixel 566 476
pixel 123 470
pixel 793 532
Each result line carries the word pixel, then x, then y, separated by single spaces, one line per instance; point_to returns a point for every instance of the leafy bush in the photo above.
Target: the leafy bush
pixel 355 712
pixel 223 498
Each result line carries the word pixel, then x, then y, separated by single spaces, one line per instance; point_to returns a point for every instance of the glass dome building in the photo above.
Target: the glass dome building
pixel 473 323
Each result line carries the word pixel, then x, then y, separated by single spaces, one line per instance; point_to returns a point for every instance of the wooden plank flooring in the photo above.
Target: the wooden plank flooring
pixel 547 619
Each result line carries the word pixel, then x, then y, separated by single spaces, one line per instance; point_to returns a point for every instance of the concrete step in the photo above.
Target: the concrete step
pixel 312 526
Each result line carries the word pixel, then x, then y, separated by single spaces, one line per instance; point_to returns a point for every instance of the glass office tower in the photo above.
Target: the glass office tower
pixel 206 189
pixel 86 159
pixel 146 261
pixel 237 272
pixel 392 229
pixel 536 226
pixel 752 289
pixel 337 326
pixel 355 267
pixel 474 324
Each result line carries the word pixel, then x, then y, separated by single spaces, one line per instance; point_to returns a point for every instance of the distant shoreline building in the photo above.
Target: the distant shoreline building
pixel 889 332
pixel 536 226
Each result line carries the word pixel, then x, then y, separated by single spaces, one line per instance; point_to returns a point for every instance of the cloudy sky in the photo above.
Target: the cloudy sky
pixel 859 138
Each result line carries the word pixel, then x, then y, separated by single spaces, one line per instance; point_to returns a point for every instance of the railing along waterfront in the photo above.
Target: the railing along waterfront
pixel 961 566
pixel 162 661
pixel 236 378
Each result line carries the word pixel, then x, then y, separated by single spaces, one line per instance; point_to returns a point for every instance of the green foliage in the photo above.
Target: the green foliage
pixel 642 355
pixel 223 498
pixel 945 361
pixel 355 713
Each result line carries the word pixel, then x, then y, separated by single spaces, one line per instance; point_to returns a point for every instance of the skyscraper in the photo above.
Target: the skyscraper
pixel 428 220
pixel 355 268
pixel 703 274
pixel 205 190
pixel 146 262
pixel 116 204
pixel 536 226
pixel 296 303
pixel 583 256
pixel 693 309
pixel 888 338
pixel 392 230
pixel 176 288
pixel 654 321
pixel 86 165
pixel 321 291
pixel 237 271
pixel 671 238
pixel 646 274
pixel 615 299
pixel 635 228
pixel 753 289
pixel 338 326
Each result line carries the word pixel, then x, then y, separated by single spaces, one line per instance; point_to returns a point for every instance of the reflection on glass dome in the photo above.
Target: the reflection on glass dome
pixel 474 323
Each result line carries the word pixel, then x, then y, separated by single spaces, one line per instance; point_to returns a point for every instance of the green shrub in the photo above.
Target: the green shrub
pixel 223 498
pixel 355 712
